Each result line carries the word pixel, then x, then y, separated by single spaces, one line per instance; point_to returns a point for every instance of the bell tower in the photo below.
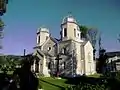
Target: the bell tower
pixel 70 29
pixel 42 35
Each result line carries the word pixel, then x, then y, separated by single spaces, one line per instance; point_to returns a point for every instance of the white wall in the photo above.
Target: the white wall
pixel 89 62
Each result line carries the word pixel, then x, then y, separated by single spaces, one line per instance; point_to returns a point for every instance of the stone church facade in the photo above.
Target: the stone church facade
pixel 76 53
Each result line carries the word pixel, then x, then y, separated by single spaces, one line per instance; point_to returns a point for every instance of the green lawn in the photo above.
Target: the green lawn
pixel 49 83
pixel 95 75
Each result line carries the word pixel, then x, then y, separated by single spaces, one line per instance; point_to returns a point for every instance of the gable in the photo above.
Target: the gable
pixel 39 54
pixel 88 44
pixel 50 39
pixel 50 46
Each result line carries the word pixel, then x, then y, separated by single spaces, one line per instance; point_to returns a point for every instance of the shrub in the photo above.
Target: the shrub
pixel 86 86
pixel 40 86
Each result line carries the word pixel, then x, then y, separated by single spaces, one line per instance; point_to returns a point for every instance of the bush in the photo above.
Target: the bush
pixel 86 86
pixel 40 86
pixel 118 76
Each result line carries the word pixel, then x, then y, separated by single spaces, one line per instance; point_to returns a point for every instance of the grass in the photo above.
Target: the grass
pixel 95 75
pixel 49 83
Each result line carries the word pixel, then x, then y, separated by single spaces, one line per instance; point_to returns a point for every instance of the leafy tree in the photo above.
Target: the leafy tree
pixel 91 34
pixel 2 60
pixel 83 30
pixel 102 61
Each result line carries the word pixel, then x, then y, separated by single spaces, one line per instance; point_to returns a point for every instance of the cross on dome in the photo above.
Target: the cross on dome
pixel 43 29
pixel 69 18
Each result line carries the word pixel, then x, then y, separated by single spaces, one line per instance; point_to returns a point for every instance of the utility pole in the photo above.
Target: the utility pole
pixel 24 52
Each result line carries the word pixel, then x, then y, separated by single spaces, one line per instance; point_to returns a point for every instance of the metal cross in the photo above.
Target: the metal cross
pixel 58 59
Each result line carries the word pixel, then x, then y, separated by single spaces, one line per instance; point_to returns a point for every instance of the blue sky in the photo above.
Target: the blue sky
pixel 23 17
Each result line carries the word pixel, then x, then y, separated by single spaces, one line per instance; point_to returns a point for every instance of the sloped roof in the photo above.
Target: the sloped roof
pixel 84 43
pixel 54 39
pixel 47 54
pixel 112 54
pixel 50 37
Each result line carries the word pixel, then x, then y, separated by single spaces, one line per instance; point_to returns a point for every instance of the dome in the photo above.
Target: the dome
pixel 69 18
pixel 43 29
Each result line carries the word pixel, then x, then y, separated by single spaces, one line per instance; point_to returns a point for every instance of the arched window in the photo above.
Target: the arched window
pixel 65 32
pixel 75 32
pixel 89 57
pixel 38 39
pixel 46 37
pixel 64 50
pixel 49 65
pixel 63 65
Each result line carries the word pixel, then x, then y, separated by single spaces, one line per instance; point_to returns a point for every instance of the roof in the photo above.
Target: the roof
pixel 47 54
pixel 50 37
pixel 84 43
pixel 69 18
pixel 54 39
pixel 43 29
pixel 112 54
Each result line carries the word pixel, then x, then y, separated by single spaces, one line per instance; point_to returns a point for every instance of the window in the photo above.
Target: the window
pixel 64 50
pixel 65 32
pixel 49 48
pixel 46 37
pixel 75 32
pixel 49 65
pixel 78 34
pixel 64 65
pixel 89 57
pixel 38 39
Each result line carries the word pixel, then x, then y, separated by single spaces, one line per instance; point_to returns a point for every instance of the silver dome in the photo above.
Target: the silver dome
pixel 69 18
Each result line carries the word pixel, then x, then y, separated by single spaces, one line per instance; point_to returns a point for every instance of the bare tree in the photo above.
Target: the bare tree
pixel 93 36
pixel 118 38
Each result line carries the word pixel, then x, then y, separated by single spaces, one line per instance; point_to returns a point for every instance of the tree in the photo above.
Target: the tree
pixel 90 34
pixel 83 30
pixel 93 35
pixel 102 61
pixel 2 60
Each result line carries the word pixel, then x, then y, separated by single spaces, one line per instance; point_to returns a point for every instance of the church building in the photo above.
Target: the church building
pixel 71 54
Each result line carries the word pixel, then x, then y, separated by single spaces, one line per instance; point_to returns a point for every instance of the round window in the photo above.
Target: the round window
pixel 49 48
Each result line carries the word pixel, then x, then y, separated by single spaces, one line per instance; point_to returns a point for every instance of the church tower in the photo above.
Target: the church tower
pixel 42 35
pixel 70 29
